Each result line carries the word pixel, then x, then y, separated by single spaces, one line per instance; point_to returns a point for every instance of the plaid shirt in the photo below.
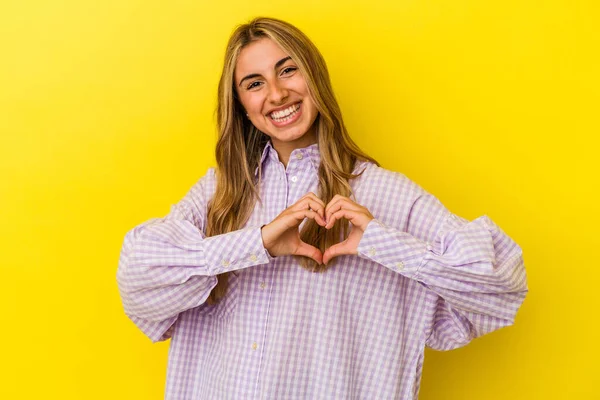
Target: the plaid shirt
pixel 422 277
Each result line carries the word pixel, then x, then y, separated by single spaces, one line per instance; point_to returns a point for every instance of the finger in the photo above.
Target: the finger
pixel 334 217
pixel 357 218
pixel 309 203
pixel 337 197
pixel 301 214
pixel 332 207
pixel 332 202
pixel 351 215
pixel 318 207
pixel 316 198
pixel 312 198
pixel 334 251
pixel 338 204
pixel 307 250
pixel 321 204
pixel 311 195
pixel 291 219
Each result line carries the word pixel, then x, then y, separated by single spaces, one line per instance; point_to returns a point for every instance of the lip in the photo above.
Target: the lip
pixel 283 107
pixel 290 121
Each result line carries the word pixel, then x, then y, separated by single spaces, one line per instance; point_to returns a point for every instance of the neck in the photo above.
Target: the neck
pixel 284 149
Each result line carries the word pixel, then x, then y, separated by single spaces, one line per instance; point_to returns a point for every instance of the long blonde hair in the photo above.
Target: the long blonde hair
pixel 240 144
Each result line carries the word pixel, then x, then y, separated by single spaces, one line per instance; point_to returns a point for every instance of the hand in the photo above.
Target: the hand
pixel 359 217
pixel 282 237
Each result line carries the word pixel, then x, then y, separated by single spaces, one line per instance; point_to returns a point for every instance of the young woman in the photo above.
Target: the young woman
pixel 230 275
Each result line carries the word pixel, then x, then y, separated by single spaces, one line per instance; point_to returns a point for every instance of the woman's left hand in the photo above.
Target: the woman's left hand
pixel 359 217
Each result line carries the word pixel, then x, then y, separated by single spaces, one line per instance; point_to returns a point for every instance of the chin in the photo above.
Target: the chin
pixel 288 137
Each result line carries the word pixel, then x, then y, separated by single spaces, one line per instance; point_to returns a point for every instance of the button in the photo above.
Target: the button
pixel 263 285
pixel 372 251
pixel 253 257
pixel 225 263
pixel 400 266
pixel 254 346
pixel 299 156
pixel 294 178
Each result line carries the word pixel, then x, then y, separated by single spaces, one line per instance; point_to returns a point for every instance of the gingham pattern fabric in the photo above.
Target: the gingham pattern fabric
pixel 422 277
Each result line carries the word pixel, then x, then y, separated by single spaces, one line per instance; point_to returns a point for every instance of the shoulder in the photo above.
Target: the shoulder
pixel 204 186
pixel 389 195
pixel 204 189
pixel 378 178
pixel 193 206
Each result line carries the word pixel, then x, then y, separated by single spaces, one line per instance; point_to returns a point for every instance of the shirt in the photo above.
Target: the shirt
pixel 422 277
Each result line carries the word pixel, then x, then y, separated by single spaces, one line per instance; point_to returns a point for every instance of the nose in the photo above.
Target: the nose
pixel 277 93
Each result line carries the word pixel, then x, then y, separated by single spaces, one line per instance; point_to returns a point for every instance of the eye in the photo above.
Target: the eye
pixel 288 70
pixel 253 85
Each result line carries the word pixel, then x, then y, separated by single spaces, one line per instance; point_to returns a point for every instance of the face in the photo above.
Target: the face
pixel 275 95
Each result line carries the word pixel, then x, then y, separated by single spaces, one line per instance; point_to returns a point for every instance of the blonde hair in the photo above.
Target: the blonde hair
pixel 240 144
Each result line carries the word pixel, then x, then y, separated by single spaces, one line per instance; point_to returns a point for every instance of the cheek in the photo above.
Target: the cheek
pixel 253 104
pixel 310 105
pixel 300 86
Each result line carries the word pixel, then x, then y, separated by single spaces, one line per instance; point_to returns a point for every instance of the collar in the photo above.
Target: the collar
pixel 311 152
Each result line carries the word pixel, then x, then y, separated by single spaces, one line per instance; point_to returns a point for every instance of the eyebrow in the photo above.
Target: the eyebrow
pixel 277 65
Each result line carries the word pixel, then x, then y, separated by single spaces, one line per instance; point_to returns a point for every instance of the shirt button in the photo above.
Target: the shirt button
pixel 263 285
pixel 294 178
pixel 400 266
pixel 225 263
pixel 299 156
pixel 372 251
pixel 254 346
pixel 253 257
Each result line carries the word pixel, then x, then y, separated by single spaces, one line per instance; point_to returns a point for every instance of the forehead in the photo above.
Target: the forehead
pixel 258 57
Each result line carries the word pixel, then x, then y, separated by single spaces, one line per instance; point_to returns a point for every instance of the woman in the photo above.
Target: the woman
pixel 229 276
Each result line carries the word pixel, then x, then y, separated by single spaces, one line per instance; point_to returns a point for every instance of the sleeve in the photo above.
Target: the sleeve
pixel 476 270
pixel 167 265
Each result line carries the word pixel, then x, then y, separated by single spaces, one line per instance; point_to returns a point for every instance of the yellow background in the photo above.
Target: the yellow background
pixel 106 119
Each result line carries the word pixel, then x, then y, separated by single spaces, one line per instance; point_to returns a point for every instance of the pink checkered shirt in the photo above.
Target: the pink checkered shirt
pixel 422 277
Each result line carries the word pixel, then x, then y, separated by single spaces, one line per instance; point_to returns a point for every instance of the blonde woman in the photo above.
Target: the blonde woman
pixel 298 268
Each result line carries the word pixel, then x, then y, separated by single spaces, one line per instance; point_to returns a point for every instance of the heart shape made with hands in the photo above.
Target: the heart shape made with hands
pixel 282 236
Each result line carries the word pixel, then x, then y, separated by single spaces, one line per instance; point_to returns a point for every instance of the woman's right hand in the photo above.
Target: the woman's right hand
pixel 282 236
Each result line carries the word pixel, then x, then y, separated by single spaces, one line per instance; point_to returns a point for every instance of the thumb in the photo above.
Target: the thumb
pixel 307 250
pixel 336 250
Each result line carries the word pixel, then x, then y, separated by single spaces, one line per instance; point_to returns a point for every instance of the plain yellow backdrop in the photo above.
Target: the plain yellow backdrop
pixel 107 118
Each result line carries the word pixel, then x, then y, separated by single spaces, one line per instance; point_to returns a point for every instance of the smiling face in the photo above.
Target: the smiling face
pixel 275 95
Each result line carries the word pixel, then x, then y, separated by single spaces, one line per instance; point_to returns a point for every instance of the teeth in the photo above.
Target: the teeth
pixel 279 115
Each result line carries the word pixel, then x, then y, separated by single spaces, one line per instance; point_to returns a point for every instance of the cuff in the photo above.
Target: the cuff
pixel 395 250
pixel 236 250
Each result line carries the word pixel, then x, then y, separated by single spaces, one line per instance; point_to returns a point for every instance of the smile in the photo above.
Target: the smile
pixel 286 116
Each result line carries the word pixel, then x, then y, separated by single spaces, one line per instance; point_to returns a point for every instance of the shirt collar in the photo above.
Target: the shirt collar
pixel 312 152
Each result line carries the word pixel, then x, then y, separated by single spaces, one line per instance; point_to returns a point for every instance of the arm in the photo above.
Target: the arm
pixel 475 269
pixel 167 265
